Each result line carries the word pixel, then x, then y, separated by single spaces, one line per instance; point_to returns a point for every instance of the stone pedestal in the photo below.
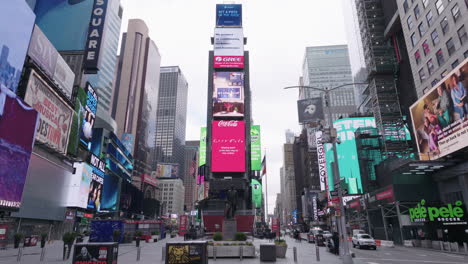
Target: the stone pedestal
pixel 229 229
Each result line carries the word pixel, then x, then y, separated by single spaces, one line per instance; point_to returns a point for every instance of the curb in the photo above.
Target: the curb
pixel 434 250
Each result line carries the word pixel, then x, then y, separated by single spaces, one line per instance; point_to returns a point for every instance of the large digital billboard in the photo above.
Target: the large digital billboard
pixel 72 32
pixel 255 148
pixel 228 94
pixel 310 110
pixel 228 15
pixel 78 190
pixel 167 170
pixel 347 153
pixel 256 193
pixel 17 128
pixel 228 146
pixel 202 151
pixel 97 183
pixel 16 24
pixel 110 194
pixel 228 48
pixel 89 116
pixel 440 117
pixel 55 116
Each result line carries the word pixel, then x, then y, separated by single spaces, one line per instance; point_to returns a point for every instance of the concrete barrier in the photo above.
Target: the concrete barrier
pixel 384 243
pixel 408 243
pixel 426 243
pixel 436 245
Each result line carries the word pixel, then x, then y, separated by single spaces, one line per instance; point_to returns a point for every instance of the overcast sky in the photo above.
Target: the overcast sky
pixel 277 31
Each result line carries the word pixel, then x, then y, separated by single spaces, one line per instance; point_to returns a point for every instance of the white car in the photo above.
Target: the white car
pixel 364 240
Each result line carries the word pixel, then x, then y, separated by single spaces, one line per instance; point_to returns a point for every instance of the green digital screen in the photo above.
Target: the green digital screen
pixel 256 193
pixel 255 148
pixel 202 158
pixel 348 162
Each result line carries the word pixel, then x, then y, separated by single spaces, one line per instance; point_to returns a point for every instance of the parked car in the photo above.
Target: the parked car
pixel 327 234
pixel 313 234
pixel 364 240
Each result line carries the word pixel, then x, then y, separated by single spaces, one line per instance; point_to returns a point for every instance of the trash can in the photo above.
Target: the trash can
pixel 268 252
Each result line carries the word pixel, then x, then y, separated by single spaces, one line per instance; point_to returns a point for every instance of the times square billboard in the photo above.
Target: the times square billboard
pixel 228 146
pixel 228 48
pixel 440 117
pixel 228 94
pixel 228 15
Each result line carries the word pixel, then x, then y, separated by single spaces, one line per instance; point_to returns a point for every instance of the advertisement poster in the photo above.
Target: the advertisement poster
pixel 110 193
pixel 311 140
pixel 55 116
pixel 310 110
pixel 182 253
pixel 50 61
pixel 97 182
pixel 228 15
pixel 167 170
pixel 440 117
pixel 228 94
pixel 228 146
pixel 228 48
pixel 255 148
pixel 322 161
pixel 17 21
pixel 183 225
pixel 149 179
pixel 17 132
pixel 128 140
pixel 89 116
pixel 202 151
pixel 95 253
pixel 256 193
pixel 347 153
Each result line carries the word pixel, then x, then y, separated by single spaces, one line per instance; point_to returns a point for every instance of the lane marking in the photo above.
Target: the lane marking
pixel 422 255
pixel 372 263
pixel 387 254
pixel 418 261
pixel 452 255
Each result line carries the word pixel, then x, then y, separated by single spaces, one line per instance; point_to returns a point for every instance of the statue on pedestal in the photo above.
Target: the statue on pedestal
pixel 231 203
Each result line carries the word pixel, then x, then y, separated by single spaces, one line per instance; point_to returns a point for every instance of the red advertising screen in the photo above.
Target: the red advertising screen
pixel 228 146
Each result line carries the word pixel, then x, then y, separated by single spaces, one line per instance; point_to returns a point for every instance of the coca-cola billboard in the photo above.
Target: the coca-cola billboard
pixel 228 146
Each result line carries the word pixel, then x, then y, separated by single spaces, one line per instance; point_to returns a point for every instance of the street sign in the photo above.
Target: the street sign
pixel 334 193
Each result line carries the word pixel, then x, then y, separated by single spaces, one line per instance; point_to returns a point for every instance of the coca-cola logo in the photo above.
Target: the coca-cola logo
pixel 230 123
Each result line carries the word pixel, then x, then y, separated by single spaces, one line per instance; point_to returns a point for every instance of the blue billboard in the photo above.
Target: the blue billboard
pixel 65 22
pixel 228 15
pixel 16 25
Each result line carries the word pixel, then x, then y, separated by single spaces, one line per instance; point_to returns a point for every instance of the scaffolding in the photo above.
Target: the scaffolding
pixel 382 68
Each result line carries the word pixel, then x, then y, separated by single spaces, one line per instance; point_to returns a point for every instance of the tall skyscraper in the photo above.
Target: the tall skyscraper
pixel 171 117
pixel 190 169
pixel 135 99
pixel 328 67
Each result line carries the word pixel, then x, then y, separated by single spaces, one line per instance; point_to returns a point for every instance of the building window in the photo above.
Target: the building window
pixel 443 74
pixel 444 25
pixel 466 52
pixel 430 66
pixel 455 12
pixel 417 56
pixel 410 22
pixel 422 29
pixel 435 37
pixel 450 46
pixel 429 18
pixel 462 35
pixel 440 57
pixel 434 82
pixel 425 2
pixel 414 39
pixel 455 64
pixel 440 6
pixel 405 6
pixel 422 75
pixel 417 12
pixel 426 48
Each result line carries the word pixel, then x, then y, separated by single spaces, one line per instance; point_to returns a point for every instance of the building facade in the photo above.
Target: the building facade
pixel 436 38
pixel 329 67
pixel 190 169
pixel 135 99
pixel 171 193
pixel 171 117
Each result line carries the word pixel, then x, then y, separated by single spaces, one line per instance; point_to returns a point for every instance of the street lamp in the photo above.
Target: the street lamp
pixel 347 258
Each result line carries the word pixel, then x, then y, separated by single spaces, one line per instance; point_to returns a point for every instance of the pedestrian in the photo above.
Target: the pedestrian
pixel 336 243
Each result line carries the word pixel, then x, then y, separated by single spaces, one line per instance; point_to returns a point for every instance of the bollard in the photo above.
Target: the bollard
pixel 441 245
pixel 163 255
pixel 295 254
pixel 465 246
pixel 241 252
pixel 214 252
pixel 317 251
pixel 138 253
pixel 42 254
pixel 20 254
pixel 449 247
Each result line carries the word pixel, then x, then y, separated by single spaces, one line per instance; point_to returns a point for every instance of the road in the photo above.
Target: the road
pixel 403 255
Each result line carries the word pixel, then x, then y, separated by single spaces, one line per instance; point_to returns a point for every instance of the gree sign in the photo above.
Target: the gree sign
pixel 449 214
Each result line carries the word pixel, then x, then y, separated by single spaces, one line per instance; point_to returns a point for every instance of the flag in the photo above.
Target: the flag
pixel 193 165
pixel 264 166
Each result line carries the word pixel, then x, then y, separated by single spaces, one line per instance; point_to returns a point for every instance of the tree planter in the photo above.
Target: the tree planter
pixel 231 251
pixel 281 251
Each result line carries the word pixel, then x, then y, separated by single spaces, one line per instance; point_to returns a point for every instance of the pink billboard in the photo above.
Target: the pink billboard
pixel 228 146
pixel 229 62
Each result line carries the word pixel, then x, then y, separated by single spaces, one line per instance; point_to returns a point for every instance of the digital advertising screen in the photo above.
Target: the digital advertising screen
pixel 89 116
pixel 228 48
pixel 228 94
pixel 255 148
pixel 110 193
pixel 228 15
pixel 97 182
pixel 440 117
pixel 167 170
pixel 202 151
pixel 228 146
pixel 17 132
pixel 17 21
